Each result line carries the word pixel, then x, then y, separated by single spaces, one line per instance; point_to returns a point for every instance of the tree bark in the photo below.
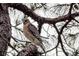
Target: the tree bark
pixel 5 29
pixel 29 50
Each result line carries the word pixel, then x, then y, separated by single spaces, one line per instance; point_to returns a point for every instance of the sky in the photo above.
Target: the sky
pixel 18 15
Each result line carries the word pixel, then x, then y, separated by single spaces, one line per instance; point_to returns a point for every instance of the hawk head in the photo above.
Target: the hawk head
pixel 25 20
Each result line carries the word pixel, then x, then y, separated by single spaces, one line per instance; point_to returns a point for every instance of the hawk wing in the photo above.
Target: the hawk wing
pixel 34 31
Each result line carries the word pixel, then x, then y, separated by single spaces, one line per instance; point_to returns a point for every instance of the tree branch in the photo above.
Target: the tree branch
pixel 38 18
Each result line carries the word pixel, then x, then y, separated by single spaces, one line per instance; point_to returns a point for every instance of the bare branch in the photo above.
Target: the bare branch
pixel 38 18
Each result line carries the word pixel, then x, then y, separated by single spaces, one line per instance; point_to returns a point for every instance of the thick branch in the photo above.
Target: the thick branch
pixel 38 18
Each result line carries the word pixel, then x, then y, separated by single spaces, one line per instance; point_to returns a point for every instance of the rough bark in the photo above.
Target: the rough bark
pixel 29 50
pixel 5 29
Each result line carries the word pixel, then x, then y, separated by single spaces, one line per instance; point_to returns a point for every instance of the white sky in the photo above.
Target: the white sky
pixel 19 15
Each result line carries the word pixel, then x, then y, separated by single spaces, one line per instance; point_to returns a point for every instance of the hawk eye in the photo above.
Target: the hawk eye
pixel 25 20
